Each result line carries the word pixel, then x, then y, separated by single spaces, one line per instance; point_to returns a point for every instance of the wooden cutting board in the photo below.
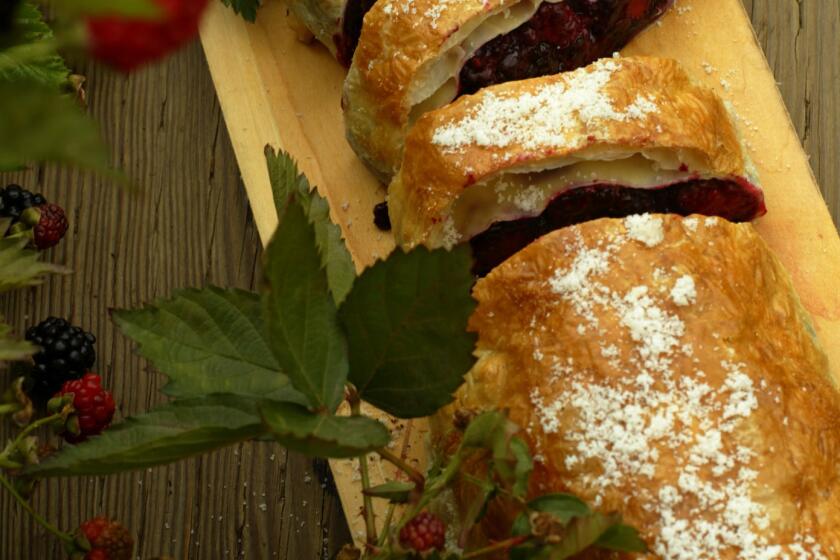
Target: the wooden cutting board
pixel 275 90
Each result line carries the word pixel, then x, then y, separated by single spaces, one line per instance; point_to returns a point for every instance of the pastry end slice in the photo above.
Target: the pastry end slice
pixel 417 55
pixel 663 368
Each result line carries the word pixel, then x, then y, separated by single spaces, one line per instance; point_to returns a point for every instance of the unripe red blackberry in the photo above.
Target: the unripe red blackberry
pixel 424 532
pixel 94 407
pixel 108 539
pixel 127 43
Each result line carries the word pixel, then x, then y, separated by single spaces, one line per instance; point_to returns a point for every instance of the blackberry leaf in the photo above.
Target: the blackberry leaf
pixel 562 506
pixel 20 267
pixel 163 435
pixel 511 458
pixel 323 435
pixel 47 126
pixel 29 28
pixel 12 348
pixel 209 341
pixel 288 182
pixel 303 323
pixel 622 538
pixel 580 534
pixel 406 320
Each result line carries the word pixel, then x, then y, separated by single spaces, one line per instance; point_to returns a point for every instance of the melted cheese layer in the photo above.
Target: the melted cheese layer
pixel 527 191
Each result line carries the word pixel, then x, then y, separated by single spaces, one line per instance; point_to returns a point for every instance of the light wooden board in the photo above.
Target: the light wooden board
pixel 275 90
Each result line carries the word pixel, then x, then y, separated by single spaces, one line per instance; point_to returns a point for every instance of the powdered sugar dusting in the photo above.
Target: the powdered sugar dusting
pixel 434 12
pixel 628 424
pixel 645 228
pixel 577 286
pixel 390 7
pixel 684 291
pixel 544 117
pixel 656 332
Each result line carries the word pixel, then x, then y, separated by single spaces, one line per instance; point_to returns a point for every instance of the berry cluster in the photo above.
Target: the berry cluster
pixel 62 368
pixel 33 216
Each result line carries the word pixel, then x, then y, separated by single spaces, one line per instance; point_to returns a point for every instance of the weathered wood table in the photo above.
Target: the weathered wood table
pixel 189 226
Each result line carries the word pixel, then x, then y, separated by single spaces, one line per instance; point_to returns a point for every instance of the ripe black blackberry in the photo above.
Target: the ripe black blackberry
pixel 14 199
pixel 66 353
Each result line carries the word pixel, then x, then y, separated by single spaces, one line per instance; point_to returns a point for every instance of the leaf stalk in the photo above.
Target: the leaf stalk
pixel 64 537
pixel 370 519
pixel 501 545
pixel 5 462
pixel 9 408
pixel 413 474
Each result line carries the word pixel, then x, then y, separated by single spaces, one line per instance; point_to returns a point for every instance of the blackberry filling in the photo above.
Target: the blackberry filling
pixel 351 29
pixel 381 218
pixel 561 36
pixel 713 197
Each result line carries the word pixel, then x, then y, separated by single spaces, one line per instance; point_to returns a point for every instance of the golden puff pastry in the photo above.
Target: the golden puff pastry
pixel 663 367
pixel 621 136
pixel 416 55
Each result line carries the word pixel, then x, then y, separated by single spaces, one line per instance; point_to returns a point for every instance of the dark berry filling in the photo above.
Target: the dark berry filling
pixel 351 29
pixel 735 201
pixel 381 218
pixel 559 37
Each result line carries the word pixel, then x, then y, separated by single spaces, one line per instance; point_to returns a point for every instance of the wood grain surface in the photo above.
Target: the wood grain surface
pixel 190 225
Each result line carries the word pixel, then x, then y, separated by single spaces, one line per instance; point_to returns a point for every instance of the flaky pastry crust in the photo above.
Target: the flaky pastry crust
pixel 399 39
pixel 664 368
pixel 612 109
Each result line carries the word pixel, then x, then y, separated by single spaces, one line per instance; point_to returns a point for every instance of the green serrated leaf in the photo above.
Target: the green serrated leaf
pixel 12 348
pixel 580 534
pixel 166 434
pixel 406 321
pixel 486 428
pixel 302 319
pixel 21 267
pixel 246 8
pixel 287 183
pixel 323 435
pixel 477 509
pixel 209 341
pixel 511 457
pixel 521 525
pixel 47 126
pixel 30 32
pixel 523 465
pixel 563 506
pixel 394 491
pixel 622 538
